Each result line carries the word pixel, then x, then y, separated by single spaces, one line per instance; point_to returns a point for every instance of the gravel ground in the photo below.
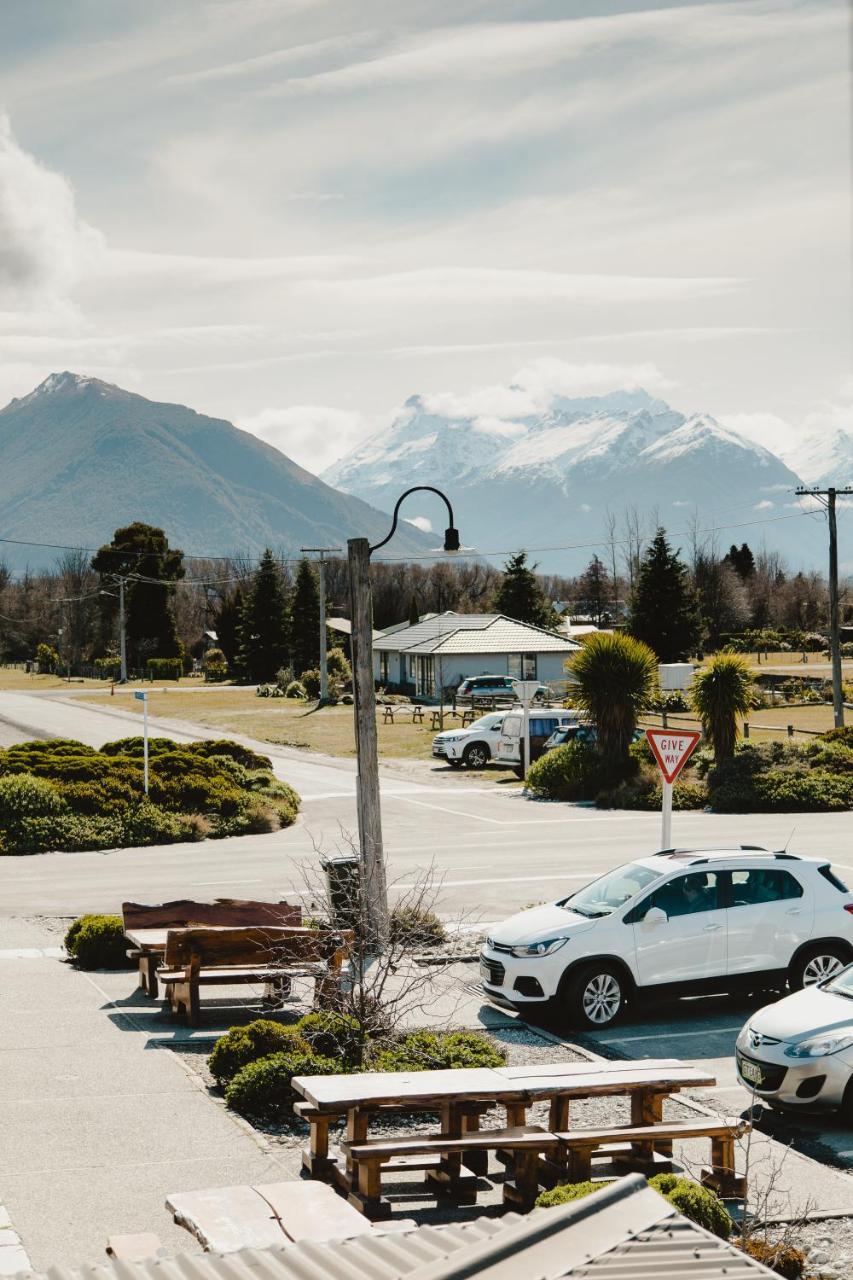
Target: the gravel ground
pixel 828 1247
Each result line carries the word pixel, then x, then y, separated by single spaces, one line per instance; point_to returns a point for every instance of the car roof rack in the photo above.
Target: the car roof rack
pixel 689 853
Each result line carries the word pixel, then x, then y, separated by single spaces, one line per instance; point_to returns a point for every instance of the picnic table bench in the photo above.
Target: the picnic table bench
pixel 390 710
pixel 203 957
pixel 465 717
pixel 146 927
pixel 461 1096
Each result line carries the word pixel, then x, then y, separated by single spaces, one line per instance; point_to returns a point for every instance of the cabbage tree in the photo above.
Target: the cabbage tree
pixel 613 679
pixel 721 696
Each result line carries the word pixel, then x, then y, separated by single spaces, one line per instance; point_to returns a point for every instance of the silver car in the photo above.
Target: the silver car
pixel 799 1051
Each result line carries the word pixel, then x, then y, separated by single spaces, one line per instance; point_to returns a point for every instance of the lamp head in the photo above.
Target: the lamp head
pixel 451 539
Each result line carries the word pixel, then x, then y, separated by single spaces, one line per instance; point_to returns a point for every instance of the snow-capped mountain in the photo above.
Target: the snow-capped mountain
pixel 824 458
pixel 548 479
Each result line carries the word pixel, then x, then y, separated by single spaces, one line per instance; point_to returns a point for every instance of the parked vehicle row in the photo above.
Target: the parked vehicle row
pixel 723 920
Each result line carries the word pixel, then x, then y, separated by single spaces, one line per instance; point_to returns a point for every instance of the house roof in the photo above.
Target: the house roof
pixel 623 1231
pixel 453 633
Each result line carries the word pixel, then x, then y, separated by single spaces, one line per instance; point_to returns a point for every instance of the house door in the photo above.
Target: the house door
pixel 425 681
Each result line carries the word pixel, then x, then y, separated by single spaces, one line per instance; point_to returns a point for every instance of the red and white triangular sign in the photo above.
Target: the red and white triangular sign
pixel 672 748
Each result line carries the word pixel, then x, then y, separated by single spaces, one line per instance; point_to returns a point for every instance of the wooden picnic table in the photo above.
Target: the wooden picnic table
pixel 459 1096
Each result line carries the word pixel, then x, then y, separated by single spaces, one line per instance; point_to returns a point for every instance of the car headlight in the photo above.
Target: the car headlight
pixel 539 948
pixel 820 1046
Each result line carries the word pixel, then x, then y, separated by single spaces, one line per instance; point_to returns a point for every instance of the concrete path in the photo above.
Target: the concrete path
pixel 97 1122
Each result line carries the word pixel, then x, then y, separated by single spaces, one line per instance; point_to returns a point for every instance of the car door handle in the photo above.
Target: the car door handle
pixel 794 911
pixel 712 928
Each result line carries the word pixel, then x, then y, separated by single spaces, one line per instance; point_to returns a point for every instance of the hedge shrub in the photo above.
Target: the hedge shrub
pixel 310 681
pixel 98 942
pixel 242 1045
pixel 647 795
pixel 700 1204
pixel 262 1089
pixel 47 658
pixel 165 668
pixel 433 1050
pixel 332 1035
pixel 295 689
pixel 572 772
pixel 778 777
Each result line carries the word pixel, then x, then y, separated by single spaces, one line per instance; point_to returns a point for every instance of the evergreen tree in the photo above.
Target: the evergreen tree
pixel 741 560
pixel 305 620
pixel 593 591
pixel 263 629
pixel 141 554
pixel 414 611
pixel 229 619
pixel 520 596
pixel 664 611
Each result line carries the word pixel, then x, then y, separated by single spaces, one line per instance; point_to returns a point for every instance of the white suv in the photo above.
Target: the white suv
pixel 474 746
pixel 681 922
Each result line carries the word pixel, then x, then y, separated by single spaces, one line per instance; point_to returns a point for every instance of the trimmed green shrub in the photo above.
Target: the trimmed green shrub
pixel 145 824
pixel 98 942
pixel 49 747
pixel 296 689
pixel 332 1035
pixel 416 927
pixel 227 747
pixel 698 1203
pixel 575 771
pixel 164 668
pixel 214 665
pixel 262 1089
pixel 646 794
pixel 338 667
pixel 310 681
pixel 843 734
pixel 108 668
pixel 242 1045
pixel 23 796
pixel 434 1050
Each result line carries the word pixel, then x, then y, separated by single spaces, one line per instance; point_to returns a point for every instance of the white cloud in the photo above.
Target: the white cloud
pixel 498 427
pixel 275 59
pixel 420 522
pixel 766 429
pixel 44 245
pixel 764 505
pixel 312 435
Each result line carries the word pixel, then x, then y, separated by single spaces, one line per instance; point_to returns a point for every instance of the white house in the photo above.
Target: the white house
pixel 445 648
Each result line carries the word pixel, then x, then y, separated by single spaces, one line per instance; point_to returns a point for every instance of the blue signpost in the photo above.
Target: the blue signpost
pixel 142 696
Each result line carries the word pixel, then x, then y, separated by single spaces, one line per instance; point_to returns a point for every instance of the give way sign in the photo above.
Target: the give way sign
pixel 672 749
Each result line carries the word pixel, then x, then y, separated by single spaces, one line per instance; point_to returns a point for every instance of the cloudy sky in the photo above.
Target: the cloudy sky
pixel 296 213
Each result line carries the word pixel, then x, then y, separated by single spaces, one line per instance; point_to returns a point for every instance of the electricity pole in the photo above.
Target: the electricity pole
pixel 322 552
pixel 830 495
pixel 122 629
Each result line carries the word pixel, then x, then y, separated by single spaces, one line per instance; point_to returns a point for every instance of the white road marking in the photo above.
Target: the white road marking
pixel 671 1035
pixel 516 822
pixel 455 884
pixel 206 883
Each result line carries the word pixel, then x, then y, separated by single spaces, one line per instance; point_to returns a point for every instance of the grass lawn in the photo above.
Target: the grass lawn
pixel 770 722
pixel 287 723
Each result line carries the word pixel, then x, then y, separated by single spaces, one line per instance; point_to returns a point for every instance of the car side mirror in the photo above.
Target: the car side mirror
pixel 654 917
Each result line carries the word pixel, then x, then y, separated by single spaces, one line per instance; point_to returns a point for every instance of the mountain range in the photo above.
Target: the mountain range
pixel 81 457
pixel 548 480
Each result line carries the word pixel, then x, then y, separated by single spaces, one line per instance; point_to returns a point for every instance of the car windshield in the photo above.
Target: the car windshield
pixel 512 726
pixel 841 984
pixel 611 891
pixel 484 722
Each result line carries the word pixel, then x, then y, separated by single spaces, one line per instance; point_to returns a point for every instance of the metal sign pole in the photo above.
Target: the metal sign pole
pixel 145 744
pixel 666 816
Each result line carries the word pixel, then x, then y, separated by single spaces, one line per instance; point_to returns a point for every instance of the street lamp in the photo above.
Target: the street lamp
pixel 359 551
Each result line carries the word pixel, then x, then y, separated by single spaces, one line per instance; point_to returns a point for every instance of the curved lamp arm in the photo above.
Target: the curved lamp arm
pixel 451 535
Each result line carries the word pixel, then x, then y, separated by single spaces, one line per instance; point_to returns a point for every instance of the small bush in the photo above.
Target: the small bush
pixel 227 747
pixel 310 681
pixel 164 668
pixel 262 1089
pixel 434 1050
pixel 296 689
pixel 242 1045
pixel 572 772
pixel 337 664
pixel 145 824
pixel 646 795
pixel 332 1035
pixel 415 927
pixel 843 734
pixel 214 665
pixel 783 1259
pixel 699 1204
pixel 24 796
pixel 47 659
pixel 108 668
pixel 98 942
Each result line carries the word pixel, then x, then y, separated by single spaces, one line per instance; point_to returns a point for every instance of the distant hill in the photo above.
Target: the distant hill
pixel 548 480
pixel 80 457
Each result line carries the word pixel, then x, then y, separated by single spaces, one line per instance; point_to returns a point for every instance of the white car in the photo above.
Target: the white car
pixel 541 726
pixel 474 746
pixel 680 922
pixel 799 1051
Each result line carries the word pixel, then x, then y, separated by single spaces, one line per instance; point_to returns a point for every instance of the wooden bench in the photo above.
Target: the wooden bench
pixel 402 709
pixel 526 1144
pixel 637 1146
pixel 204 957
pixel 145 925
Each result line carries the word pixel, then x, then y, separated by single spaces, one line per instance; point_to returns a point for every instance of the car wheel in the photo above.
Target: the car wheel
pixel 477 756
pixel 454 764
pixel 817 964
pixel 596 996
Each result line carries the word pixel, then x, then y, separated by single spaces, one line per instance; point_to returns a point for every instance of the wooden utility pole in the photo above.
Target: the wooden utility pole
pixel 322 552
pixel 374 888
pixel 830 495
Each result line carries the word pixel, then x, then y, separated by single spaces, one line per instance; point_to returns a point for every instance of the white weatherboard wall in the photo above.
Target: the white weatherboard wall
pixel 457 667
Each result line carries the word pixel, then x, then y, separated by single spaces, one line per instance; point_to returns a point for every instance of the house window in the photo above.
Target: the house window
pixel 383 667
pixel 513 666
pixel 528 666
pixel 425 676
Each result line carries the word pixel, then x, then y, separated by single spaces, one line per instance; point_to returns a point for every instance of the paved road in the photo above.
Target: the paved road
pixel 492 849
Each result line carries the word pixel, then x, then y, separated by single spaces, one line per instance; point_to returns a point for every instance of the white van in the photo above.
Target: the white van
pixel 542 725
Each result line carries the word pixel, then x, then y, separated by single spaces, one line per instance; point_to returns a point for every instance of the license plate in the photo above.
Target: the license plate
pixel 485 972
pixel 751 1072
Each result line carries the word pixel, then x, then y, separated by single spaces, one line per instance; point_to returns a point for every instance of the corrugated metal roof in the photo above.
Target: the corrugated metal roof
pixel 451 633
pixel 623 1232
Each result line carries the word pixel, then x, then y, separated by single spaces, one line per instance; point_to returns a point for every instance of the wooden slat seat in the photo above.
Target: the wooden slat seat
pixel 638 1145
pixel 526 1143
pixel 197 957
